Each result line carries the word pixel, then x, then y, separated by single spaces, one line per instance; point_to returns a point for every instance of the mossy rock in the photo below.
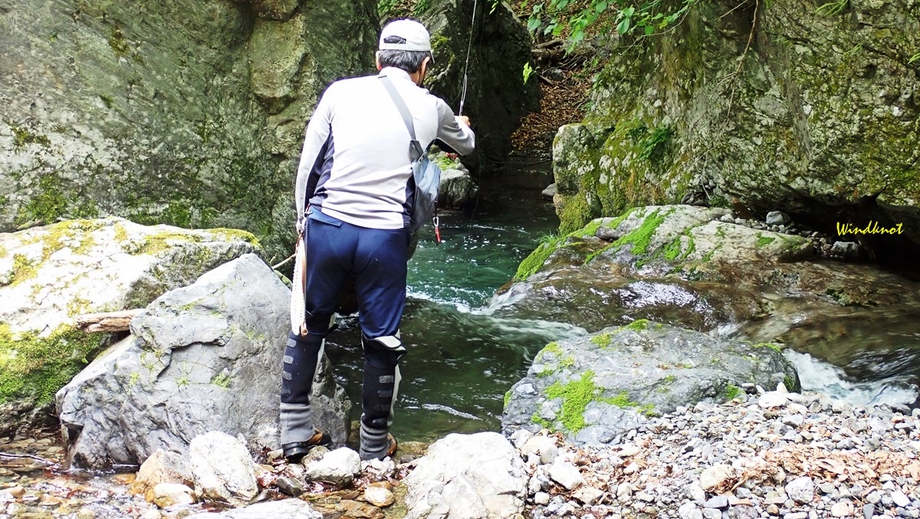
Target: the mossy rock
pixel 593 389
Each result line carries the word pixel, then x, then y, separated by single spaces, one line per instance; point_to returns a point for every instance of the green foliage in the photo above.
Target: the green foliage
pixel 574 17
pixel 528 71
pixel 915 57
pixel 833 7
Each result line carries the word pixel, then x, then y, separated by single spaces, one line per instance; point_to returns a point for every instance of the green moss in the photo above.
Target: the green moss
pixel 506 399
pixel 763 241
pixel 24 269
pixel 121 235
pixel 32 367
pixel 732 392
pixel 772 346
pixel 640 237
pixel 576 396
pixel 533 262
pixel 22 136
pixel 637 326
pixel 602 340
pixel 47 204
pixel 236 235
pixel 156 243
pixel 222 380
pixel 118 43
pixel 622 400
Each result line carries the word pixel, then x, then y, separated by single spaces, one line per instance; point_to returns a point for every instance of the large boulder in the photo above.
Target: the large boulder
pixel 597 387
pixel 183 112
pixel 809 107
pixel 466 477
pixel 48 275
pixel 202 358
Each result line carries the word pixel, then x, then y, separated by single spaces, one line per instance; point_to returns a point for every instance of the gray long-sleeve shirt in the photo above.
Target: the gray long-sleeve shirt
pixel 355 162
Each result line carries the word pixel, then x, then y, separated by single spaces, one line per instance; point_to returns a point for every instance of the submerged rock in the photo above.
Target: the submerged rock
pixel 202 358
pixel 49 275
pixel 596 388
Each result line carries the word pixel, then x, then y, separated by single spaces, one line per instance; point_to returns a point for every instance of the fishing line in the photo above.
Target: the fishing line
pixel 466 64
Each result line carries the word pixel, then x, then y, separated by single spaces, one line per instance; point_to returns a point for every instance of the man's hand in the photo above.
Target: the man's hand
pixel 463 119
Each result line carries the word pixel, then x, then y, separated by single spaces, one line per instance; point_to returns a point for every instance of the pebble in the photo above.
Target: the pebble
pixel 766 455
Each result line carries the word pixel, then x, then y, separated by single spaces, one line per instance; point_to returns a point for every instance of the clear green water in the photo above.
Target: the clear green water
pixel 461 360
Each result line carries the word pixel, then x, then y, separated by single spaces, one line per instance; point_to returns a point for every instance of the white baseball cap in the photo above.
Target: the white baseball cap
pixel 415 34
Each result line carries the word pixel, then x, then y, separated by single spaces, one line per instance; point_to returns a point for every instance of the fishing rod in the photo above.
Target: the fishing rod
pixel 466 64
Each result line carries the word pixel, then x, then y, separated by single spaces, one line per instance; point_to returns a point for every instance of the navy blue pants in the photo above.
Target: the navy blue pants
pixel 376 258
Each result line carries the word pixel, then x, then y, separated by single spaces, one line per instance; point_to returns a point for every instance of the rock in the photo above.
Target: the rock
pixel 622 369
pixel 845 249
pixel 842 509
pixel 337 467
pixel 543 447
pixel 495 101
pixel 165 495
pixel 379 496
pixel 639 158
pixel 566 474
pixel 478 475
pixel 139 130
pixel 457 189
pixel 587 495
pixel 48 275
pixel 719 502
pixel 286 508
pixel 162 467
pixel 689 511
pixel 801 490
pixel 289 486
pixel 200 358
pixel 778 218
pixel 900 498
pixel 223 469
pixel 549 192
pixel 772 399
pixel 715 477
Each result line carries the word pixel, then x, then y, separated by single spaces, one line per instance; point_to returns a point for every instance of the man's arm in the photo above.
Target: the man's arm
pixel 454 130
pixel 313 152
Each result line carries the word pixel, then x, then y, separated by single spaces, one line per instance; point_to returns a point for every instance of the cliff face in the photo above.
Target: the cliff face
pixel 184 112
pixel 809 107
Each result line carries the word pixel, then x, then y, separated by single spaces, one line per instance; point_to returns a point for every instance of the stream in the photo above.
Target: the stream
pixel 463 357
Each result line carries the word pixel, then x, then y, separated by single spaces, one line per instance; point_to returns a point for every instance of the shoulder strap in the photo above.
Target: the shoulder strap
pixel 415 149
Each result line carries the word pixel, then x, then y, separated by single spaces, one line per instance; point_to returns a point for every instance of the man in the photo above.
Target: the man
pixel 353 194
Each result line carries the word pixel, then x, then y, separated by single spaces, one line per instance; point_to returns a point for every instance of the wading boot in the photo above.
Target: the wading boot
pixel 301 356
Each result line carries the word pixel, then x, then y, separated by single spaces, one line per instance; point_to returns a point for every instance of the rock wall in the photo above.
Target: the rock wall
pixel 498 46
pixel 809 107
pixel 179 112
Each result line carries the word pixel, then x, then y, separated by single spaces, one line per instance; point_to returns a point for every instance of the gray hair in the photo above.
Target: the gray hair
pixel 408 60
